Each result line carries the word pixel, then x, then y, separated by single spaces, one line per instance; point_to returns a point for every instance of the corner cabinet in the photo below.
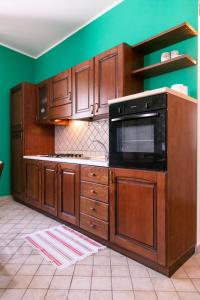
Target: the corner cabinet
pixel 68 193
pixel 43 98
pixel 137 213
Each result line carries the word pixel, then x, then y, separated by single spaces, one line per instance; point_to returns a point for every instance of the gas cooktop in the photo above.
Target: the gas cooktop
pixel 64 155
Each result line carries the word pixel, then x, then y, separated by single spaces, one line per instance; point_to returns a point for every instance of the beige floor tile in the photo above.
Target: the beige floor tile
pixel 115 253
pixel 189 296
pixel 121 284
pixel 142 284
pixel 101 260
pixel 101 283
pixel 10 269
pixel 132 262
pixel 13 294
pixel 40 282
pixel 27 270
pixel 67 271
pixel 120 271
pixel 81 270
pixel 34 260
pixel 86 261
pixel 168 296
pixel 163 284
pixel 118 261
pixel 155 274
pixel 9 250
pixel 24 250
pixel 101 295
pixel 141 295
pixel 34 294
pixel 192 271
pixel 123 295
pixel 56 295
pixel 180 273
pixel 183 285
pixel 101 271
pixel 46 270
pixel 137 271
pixel 104 252
pixel 78 295
pixel 81 283
pixel 2 291
pixel 20 282
pixel 4 281
pixel 196 283
pixel 60 282
pixel 18 259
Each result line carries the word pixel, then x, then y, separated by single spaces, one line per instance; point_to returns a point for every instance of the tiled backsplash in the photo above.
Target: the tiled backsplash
pixel 79 136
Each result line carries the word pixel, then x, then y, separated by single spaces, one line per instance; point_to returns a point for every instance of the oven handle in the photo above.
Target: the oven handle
pixel 135 116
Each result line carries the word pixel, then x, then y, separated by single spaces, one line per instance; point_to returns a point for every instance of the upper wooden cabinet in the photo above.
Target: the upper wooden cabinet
pixel 60 95
pixel 83 89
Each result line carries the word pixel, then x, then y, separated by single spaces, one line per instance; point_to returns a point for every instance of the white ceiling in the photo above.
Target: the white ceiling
pixel 35 26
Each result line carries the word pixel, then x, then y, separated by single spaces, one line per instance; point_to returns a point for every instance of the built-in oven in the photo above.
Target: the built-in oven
pixel 137 133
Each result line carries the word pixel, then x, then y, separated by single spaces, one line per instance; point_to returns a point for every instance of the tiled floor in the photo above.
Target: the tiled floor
pixel 107 275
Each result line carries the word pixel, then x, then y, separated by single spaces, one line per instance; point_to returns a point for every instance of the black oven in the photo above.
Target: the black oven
pixel 137 133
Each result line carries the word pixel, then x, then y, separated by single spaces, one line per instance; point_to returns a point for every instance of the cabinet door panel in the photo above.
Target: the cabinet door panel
pixel 43 101
pixel 68 190
pixel 137 212
pixel 17 164
pixel 33 182
pixel 16 109
pixel 49 188
pixel 83 89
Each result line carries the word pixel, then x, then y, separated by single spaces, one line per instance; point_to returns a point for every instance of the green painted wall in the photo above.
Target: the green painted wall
pixel 14 68
pixel 131 21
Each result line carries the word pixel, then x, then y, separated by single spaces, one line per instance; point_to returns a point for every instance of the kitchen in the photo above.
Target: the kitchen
pixel 98 144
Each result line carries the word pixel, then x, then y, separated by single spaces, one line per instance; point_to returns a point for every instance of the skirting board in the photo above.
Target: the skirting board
pixel 197 249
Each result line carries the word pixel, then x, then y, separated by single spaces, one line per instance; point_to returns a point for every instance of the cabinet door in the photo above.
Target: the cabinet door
pixel 83 89
pixel 16 106
pixel 61 89
pixel 68 193
pixel 17 164
pixel 108 78
pixel 137 212
pixel 43 102
pixel 49 187
pixel 33 182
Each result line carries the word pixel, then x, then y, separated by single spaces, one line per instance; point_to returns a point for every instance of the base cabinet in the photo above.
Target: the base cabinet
pixel 33 178
pixel 137 212
pixel 68 193
pixel 49 187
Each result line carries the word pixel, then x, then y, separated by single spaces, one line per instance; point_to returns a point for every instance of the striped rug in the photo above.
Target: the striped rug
pixel 63 246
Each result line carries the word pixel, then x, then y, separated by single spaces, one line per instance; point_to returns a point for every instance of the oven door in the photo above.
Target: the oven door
pixel 138 141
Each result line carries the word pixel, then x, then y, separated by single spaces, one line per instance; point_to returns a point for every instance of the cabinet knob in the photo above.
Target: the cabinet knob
pixel 92 109
pixel 96 107
pixel 93 225
pixel 92 208
pixel 92 174
pixel 92 191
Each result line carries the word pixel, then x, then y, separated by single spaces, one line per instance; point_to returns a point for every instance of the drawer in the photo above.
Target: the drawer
pixel 95 226
pixel 94 174
pixel 94 191
pixel 94 208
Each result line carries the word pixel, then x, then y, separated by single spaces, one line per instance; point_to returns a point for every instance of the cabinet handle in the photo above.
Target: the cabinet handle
pixel 92 109
pixel 96 107
pixel 92 191
pixel 112 179
pixel 92 174
pixel 70 95
pixel 93 208
pixel 93 226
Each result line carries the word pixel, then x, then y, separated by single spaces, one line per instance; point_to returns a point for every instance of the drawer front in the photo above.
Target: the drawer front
pixel 94 208
pixel 94 191
pixel 94 174
pixel 94 226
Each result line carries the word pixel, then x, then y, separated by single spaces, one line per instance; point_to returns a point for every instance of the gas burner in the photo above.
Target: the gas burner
pixel 63 155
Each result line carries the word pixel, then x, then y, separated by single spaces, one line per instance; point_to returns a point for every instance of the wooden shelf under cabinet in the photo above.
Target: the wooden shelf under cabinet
pixel 166 38
pixel 179 62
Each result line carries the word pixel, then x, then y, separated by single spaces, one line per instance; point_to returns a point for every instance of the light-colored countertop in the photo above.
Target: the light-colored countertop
pixel 81 161
pixel 150 93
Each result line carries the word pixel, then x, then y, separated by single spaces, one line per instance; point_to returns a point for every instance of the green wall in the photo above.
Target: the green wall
pixel 14 68
pixel 131 21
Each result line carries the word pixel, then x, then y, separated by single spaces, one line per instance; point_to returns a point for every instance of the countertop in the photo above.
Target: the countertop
pixel 150 93
pixel 81 161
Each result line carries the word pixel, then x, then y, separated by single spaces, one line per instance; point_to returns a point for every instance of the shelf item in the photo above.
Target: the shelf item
pixel 179 62
pixel 166 38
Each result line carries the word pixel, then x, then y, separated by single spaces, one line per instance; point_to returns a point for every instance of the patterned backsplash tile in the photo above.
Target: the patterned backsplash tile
pixel 80 136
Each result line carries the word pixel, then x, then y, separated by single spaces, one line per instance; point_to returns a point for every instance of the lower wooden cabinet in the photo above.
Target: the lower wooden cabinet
pixel 49 187
pixel 68 193
pixel 32 181
pixel 137 212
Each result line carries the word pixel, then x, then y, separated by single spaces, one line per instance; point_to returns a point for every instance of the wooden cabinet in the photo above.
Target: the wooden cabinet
pixel 43 97
pixel 49 187
pixel 60 97
pixel 68 193
pixel 33 181
pixel 83 89
pixel 137 212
